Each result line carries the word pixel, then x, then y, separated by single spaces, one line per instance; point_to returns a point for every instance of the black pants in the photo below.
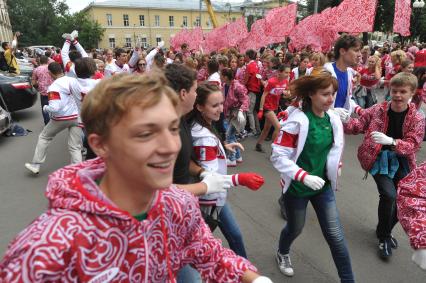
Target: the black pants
pixel 387 211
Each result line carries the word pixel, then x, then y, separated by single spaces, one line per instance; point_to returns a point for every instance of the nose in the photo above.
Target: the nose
pixel 169 143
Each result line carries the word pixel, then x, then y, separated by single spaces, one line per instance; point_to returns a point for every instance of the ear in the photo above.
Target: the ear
pixel 182 94
pixel 199 108
pixel 98 145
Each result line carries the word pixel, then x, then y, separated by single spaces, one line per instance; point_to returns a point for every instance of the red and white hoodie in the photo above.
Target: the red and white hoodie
pixel 290 142
pixel 79 89
pixel 84 237
pixel 61 106
pixel 411 202
pixel 68 65
pixel 211 156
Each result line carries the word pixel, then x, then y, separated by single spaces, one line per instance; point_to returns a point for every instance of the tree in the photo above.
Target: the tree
pixel 43 22
pixel 322 4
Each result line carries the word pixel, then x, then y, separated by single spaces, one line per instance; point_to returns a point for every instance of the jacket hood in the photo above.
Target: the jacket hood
pixel 74 188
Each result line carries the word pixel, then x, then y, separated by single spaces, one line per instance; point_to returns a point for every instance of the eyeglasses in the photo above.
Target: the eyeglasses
pixel 142 64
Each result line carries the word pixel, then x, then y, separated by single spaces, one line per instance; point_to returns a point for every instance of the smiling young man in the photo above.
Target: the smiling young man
pixel 394 131
pixel 120 65
pixel 117 218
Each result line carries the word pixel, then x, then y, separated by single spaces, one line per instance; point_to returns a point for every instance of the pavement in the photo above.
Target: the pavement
pixel 22 200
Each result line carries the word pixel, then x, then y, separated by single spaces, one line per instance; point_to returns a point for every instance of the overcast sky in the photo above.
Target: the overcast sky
pixel 77 5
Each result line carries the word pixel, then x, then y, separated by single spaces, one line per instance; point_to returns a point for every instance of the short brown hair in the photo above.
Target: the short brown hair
pixel 306 86
pixel 108 102
pixel 404 79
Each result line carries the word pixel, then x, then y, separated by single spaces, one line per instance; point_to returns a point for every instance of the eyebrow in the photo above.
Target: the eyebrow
pixel 153 125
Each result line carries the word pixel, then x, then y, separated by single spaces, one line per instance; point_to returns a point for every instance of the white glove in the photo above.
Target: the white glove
pixel 74 34
pixel 215 183
pixel 381 138
pixel 240 118
pixel 45 109
pixel 66 36
pixel 262 279
pixel 259 76
pixel 343 114
pixel 138 44
pixel 160 44
pixel 419 258
pixel 314 182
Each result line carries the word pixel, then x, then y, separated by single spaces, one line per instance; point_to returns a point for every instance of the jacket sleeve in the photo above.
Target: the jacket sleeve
pixel 413 136
pixel 55 102
pixel 206 152
pixel 33 257
pixel 80 48
pixel 241 93
pixel 359 125
pixel 150 58
pixel 411 202
pixel 64 53
pixel 134 59
pixel 206 253
pixel 284 152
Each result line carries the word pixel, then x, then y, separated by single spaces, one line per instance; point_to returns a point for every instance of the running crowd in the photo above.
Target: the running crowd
pixel 151 135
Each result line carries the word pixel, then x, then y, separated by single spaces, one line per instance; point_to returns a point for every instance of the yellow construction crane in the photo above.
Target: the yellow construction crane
pixel 211 13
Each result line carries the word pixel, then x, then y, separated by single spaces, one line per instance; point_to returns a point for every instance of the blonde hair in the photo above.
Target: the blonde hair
pixel 320 56
pixel 112 98
pixel 404 79
pixel 398 55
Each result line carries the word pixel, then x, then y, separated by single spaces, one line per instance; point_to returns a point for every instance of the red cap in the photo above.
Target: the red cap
pixel 420 60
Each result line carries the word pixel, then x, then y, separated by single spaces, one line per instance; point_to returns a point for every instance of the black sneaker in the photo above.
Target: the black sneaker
pixel 385 249
pixel 393 242
pixel 259 148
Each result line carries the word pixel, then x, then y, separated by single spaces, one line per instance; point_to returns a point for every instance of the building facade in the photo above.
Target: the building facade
pixel 5 26
pixel 151 21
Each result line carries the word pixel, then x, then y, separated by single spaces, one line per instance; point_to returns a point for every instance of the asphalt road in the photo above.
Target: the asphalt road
pixel 22 199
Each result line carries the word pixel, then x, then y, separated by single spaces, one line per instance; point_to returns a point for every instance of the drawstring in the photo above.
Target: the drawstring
pixel 166 250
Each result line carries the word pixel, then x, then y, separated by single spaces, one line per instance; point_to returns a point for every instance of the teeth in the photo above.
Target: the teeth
pixel 161 165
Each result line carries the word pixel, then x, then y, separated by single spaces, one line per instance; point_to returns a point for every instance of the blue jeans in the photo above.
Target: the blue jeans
pixel 231 132
pixel 229 227
pixel 328 217
pixel 188 274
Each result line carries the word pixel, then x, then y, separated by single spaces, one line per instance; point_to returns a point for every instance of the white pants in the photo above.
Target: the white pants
pixel 50 131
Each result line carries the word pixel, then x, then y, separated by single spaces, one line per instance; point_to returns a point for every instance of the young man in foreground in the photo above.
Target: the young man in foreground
pixel 117 218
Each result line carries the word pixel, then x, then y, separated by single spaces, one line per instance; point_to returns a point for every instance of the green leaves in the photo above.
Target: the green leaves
pixel 43 22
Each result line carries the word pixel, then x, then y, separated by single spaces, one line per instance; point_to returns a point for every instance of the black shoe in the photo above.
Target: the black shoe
pixel 259 148
pixel 282 207
pixel 393 242
pixel 385 249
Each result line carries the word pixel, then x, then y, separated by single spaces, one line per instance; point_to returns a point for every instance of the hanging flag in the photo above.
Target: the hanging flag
pixel 215 40
pixel 402 17
pixel 236 32
pixel 355 16
pixel 191 37
pixel 280 21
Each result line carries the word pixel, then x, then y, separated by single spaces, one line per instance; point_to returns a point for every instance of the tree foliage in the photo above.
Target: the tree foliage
pixel 43 22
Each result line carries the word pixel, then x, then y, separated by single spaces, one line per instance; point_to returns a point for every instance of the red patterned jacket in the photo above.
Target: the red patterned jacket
pixel 376 119
pixel 237 98
pixel 84 237
pixel 411 202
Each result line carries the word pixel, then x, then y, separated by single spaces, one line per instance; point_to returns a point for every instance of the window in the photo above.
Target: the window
pixel 112 43
pixel 197 22
pixel 126 20
pixel 157 20
pixel 158 39
pixel 185 21
pixel 128 42
pixel 171 21
pixel 142 20
pixel 144 42
pixel 208 23
pixel 109 19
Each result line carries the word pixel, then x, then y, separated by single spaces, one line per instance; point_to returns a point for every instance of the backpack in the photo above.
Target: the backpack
pixel 4 66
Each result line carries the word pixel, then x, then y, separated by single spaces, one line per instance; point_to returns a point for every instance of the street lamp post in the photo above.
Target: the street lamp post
pixel 417 8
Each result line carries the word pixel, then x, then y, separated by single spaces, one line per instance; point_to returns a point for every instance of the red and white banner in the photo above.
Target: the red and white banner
pixel 280 21
pixel 257 37
pixel 215 40
pixel 401 21
pixel 355 16
pixel 236 32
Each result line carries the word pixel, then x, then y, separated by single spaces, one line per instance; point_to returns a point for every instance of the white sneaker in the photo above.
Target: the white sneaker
pixel 230 163
pixel 284 264
pixel 34 168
